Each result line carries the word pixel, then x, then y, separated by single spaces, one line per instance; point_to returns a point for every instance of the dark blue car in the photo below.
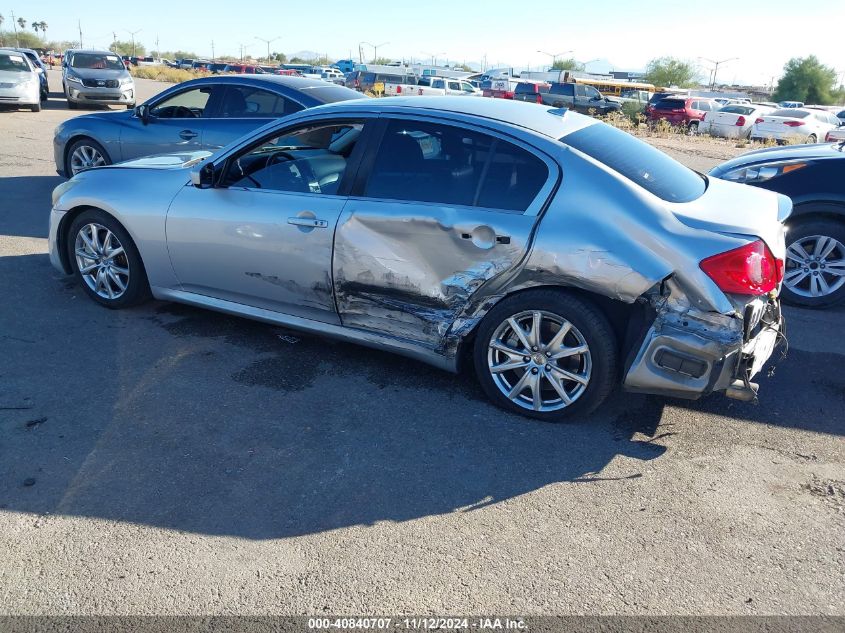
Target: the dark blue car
pixel 201 114
pixel 814 177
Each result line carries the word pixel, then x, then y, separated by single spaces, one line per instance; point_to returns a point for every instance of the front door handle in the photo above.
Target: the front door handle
pixel 187 134
pixel 312 223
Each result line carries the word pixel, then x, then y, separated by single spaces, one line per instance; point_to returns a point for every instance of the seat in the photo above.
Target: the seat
pixel 234 103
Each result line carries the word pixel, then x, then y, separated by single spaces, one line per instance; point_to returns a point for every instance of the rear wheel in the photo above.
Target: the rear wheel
pixel 36 107
pixel 692 128
pixel 812 138
pixel 104 258
pixel 546 354
pixel 814 275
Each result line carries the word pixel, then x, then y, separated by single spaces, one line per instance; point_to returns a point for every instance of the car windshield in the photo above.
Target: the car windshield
pixel 97 61
pixel 13 63
pixel 331 93
pixel 648 167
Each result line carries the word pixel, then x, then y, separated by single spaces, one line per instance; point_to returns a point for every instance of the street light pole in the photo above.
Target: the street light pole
pixel 554 56
pixel 433 57
pixel 375 48
pixel 132 33
pixel 268 42
pixel 716 68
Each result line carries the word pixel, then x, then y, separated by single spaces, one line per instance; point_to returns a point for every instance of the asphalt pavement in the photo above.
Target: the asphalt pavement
pixel 169 460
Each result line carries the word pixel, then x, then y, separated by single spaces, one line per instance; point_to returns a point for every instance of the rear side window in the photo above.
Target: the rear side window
pixel 428 162
pixel 648 167
pixel 525 89
pixel 245 102
pixel 331 93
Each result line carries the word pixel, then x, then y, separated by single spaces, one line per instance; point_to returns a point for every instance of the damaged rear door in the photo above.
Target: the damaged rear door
pixel 437 211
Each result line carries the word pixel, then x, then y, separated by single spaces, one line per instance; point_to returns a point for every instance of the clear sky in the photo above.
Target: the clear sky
pixel 626 33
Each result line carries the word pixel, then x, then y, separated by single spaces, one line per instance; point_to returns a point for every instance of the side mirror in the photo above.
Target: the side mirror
pixel 202 176
pixel 143 112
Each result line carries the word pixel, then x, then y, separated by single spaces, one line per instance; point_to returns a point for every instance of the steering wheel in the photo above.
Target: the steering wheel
pixel 184 112
pixel 304 168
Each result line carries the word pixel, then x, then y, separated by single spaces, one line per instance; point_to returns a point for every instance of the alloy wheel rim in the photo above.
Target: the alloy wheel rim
pixel 85 157
pixel 815 266
pixel 101 261
pixel 539 361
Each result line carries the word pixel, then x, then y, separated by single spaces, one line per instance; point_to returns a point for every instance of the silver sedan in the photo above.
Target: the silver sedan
pixel 555 253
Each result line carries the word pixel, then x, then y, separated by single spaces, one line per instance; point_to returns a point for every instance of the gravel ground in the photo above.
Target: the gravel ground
pixel 167 460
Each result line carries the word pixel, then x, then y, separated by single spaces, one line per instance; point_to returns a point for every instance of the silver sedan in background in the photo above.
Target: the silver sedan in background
pixel 555 253
pixel 20 82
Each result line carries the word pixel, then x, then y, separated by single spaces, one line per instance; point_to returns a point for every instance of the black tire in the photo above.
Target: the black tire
pixel 137 289
pixel 798 230
pixel 84 142
pixel 692 128
pixel 587 319
pixel 36 107
pixel 71 105
pixel 812 138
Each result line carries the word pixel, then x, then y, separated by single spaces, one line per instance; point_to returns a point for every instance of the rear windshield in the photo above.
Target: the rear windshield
pixel 525 88
pixel 650 168
pixel 737 109
pixel 670 104
pixel 792 113
pixel 96 61
pixel 14 63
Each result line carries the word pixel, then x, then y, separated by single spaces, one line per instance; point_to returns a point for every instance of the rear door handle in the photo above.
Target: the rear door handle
pixel 313 223
pixel 187 134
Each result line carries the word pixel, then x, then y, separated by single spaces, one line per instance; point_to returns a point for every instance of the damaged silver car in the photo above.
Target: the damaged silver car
pixel 558 255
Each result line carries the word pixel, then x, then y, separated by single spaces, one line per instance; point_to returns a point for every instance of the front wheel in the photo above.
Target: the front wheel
pixel 692 128
pixel 546 354
pixel 104 258
pixel 36 107
pixel 815 264
pixel 812 138
pixel 85 154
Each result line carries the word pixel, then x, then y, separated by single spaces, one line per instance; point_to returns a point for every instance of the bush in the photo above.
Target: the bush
pixel 163 73
pixel 633 110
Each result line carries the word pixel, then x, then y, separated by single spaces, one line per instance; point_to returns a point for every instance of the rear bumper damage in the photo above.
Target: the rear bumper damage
pixel 688 353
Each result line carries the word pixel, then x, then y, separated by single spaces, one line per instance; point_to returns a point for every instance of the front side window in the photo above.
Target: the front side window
pixel 190 104
pixel 307 160
pixel 454 85
pixel 241 102
pixel 96 61
pixel 467 87
pixel 592 93
pixel 441 164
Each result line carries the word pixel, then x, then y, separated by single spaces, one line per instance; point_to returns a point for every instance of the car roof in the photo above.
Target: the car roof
pixel 551 122
pixel 295 83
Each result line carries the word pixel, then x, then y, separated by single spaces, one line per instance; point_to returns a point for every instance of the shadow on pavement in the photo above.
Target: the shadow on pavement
pixel 27 201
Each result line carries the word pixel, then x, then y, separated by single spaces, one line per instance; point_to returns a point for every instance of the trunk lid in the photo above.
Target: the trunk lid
pixel 732 208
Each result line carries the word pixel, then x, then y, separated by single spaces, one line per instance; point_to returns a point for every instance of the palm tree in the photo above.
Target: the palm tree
pixel 44 30
pixel 35 26
pixel 22 23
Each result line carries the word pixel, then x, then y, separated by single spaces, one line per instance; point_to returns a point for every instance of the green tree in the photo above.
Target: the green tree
pixel 567 64
pixel 807 79
pixel 381 61
pixel 125 48
pixel 297 60
pixel 671 71
pixel 280 57
pixel 22 23
pixel 25 39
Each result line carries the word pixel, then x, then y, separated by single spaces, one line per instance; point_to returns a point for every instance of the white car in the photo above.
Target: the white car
pixel 810 126
pixel 20 83
pixel 733 120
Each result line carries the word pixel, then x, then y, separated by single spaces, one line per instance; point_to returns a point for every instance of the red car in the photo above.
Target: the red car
pixel 245 69
pixel 682 111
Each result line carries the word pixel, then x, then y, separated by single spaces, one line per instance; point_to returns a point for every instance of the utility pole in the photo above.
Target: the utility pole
pixel 213 58
pixel 375 48
pixel 554 56
pixel 15 27
pixel 132 33
pixel 79 24
pixel 158 51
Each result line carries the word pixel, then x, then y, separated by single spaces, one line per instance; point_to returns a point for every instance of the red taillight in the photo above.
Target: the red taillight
pixel 399 90
pixel 793 123
pixel 758 121
pixel 828 137
pixel 539 98
pixel 740 121
pixel 747 270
